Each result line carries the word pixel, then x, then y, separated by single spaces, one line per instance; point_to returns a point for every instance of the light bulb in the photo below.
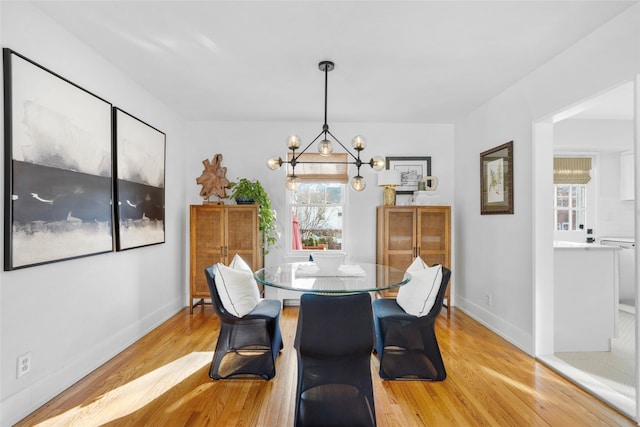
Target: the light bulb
pixel 274 162
pixel 358 183
pixel 293 142
pixel 377 163
pixel 325 147
pixel 292 183
pixel 358 143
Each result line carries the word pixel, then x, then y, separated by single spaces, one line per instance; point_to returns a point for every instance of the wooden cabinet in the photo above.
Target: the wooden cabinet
pixel 406 232
pixel 217 233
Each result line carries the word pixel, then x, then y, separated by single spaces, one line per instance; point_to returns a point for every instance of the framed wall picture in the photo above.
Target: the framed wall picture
pixel 496 180
pixel 58 167
pixel 139 185
pixel 412 171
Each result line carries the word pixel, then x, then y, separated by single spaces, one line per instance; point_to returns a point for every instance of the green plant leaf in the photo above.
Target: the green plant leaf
pixel 267 216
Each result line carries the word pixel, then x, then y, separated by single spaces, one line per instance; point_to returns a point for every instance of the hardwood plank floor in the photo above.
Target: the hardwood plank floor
pixel 162 380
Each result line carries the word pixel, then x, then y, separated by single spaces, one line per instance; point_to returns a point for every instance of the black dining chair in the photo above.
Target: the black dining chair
pixel 247 346
pixel 334 341
pixel 406 344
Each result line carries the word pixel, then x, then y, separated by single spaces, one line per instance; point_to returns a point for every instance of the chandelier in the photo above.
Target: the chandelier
pixel 325 148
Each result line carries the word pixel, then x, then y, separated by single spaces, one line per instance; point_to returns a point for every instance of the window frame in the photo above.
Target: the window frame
pixel 570 209
pixel 291 204
pixel 592 198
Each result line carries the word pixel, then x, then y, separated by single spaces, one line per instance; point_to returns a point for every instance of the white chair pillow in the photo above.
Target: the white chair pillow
pixel 419 295
pixel 237 289
pixel 237 263
pixel 417 265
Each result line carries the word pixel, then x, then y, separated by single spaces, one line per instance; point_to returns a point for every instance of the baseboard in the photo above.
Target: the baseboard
pixel 516 336
pixel 21 404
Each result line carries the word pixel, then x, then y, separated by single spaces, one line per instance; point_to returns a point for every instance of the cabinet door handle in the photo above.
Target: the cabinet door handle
pixel 418 252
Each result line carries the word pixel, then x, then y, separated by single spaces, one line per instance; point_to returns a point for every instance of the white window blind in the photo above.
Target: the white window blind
pixel 571 170
pixel 321 172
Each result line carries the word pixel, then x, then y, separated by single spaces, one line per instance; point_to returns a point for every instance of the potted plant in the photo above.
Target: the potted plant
pixel 245 191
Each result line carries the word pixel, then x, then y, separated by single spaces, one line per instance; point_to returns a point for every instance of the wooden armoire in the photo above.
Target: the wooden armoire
pixel 406 232
pixel 217 233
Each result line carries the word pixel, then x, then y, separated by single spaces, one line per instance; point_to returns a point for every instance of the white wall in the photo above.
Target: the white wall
pixel 75 315
pixel 495 253
pixel 246 147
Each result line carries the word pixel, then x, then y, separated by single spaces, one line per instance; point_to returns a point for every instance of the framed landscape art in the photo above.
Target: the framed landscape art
pixel 496 180
pixel 139 184
pixel 58 167
pixel 412 171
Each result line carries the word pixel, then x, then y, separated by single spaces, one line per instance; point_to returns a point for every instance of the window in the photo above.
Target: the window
pixel 317 212
pixel 571 177
pixel 570 207
pixel 317 208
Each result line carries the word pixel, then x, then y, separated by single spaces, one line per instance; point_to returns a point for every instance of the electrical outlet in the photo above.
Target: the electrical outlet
pixel 24 364
pixel 488 299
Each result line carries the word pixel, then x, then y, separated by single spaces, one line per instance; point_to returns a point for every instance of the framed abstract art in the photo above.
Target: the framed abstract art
pixel 58 167
pixel 139 183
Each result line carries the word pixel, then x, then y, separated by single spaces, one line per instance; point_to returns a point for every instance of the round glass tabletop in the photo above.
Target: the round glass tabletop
pixel 347 279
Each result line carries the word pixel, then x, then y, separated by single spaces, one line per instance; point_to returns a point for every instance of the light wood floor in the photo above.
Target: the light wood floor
pixel 162 380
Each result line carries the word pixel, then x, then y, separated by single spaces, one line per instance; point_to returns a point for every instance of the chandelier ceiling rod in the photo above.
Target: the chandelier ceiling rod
pixel 326 66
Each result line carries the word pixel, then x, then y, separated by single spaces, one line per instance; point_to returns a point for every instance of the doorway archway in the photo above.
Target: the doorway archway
pixel 543 150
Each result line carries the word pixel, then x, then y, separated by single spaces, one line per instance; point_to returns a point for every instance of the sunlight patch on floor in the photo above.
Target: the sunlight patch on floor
pixel 517 384
pixel 134 395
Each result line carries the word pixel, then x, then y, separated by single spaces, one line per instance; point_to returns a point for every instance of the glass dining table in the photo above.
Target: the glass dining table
pixel 351 278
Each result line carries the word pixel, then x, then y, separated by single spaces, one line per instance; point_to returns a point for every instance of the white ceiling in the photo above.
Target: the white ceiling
pixel 396 61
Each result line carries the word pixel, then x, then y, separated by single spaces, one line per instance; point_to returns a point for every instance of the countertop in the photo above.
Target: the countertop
pixel 558 244
pixel 618 239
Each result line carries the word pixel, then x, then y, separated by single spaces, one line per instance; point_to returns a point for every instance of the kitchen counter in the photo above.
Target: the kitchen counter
pixel 558 244
pixel 631 240
pixel 585 296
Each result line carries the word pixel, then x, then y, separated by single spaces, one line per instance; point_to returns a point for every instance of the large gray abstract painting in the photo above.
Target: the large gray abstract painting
pixel 58 167
pixel 140 163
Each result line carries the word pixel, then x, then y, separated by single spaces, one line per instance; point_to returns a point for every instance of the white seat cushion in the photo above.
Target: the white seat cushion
pixel 237 288
pixel 418 296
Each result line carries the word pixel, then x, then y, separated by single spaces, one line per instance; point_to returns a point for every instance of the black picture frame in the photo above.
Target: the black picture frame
pixel 58 167
pixel 139 161
pixel 412 171
pixel 496 180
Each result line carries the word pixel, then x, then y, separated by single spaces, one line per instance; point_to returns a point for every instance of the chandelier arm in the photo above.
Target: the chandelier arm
pixel 325 163
pixel 345 148
pixel 305 148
